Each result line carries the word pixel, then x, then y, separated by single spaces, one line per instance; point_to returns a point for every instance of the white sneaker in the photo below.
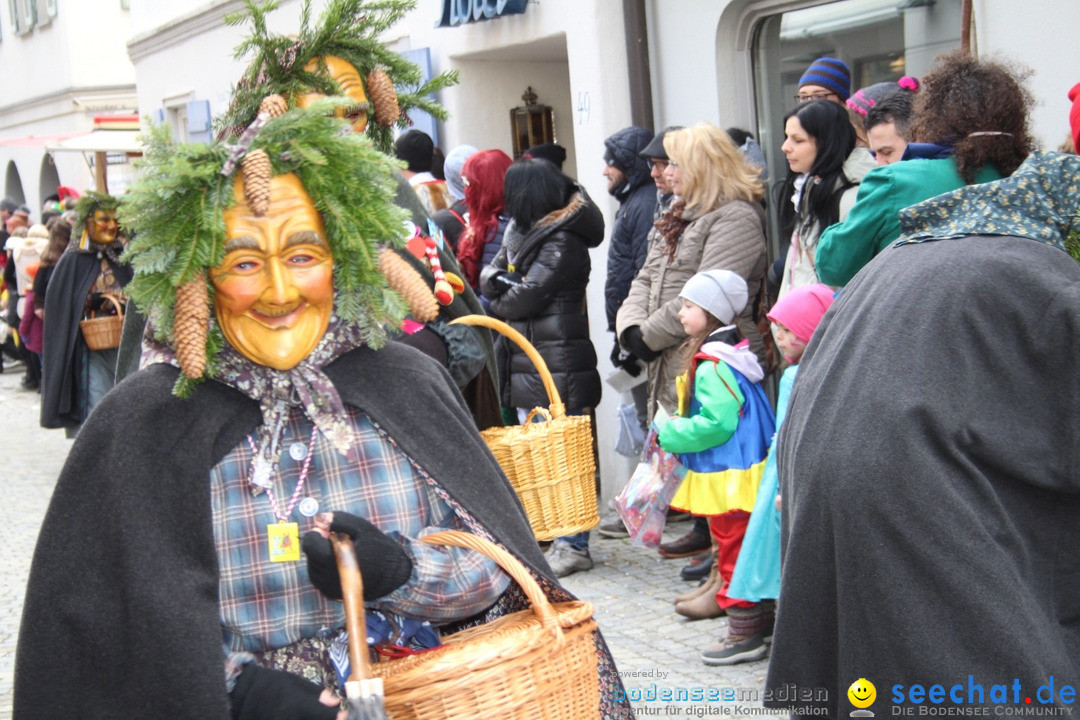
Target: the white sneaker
pixel 567 560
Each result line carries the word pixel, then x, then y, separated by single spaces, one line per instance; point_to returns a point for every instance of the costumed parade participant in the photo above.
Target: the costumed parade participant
pixel 183 569
pixel 88 282
pixel 929 465
pixel 340 54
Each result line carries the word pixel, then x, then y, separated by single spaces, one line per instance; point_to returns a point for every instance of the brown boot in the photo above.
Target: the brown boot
pixel 704 606
pixel 712 584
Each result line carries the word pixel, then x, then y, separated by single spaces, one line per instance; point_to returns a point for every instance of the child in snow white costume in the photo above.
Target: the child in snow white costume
pixel 183 569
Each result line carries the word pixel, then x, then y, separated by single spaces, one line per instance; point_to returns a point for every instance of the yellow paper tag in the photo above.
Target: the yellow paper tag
pixel 283 541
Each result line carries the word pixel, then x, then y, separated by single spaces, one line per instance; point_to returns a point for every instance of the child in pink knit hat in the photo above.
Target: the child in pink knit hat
pixel 757 571
pixel 797 316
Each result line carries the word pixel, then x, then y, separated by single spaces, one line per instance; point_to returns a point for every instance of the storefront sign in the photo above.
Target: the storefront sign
pixel 459 12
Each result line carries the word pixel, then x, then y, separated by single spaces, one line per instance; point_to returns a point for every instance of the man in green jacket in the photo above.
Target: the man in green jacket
pixel 977 111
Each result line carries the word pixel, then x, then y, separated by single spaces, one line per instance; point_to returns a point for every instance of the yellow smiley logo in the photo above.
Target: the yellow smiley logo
pixel 862 693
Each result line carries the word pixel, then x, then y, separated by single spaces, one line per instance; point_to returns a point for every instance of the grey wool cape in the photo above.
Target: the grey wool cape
pixel 121 616
pixel 930 474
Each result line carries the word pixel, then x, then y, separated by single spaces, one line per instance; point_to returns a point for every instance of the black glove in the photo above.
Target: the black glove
pixel 626 360
pixel 384 565
pixel 632 340
pixel 265 694
pixel 503 281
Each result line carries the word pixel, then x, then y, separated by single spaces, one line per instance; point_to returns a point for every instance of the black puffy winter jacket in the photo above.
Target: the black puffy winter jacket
pixel 548 305
pixel 637 203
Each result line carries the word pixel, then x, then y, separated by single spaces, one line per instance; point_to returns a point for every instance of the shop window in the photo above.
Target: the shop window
pixel 878 39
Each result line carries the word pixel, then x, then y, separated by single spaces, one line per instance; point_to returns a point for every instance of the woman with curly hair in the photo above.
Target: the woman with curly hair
pixel 483 175
pixel 971 126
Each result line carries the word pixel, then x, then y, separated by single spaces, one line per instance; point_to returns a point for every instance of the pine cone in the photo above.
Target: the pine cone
pixel 408 283
pixel 380 91
pixel 273 105
pixel 256 168
pixel 190 326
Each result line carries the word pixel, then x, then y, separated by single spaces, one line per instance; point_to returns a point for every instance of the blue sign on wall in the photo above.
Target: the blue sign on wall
pixel 459 12
pixel 420 119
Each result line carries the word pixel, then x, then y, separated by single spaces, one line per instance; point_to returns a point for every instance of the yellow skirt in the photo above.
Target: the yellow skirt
pixel 716 493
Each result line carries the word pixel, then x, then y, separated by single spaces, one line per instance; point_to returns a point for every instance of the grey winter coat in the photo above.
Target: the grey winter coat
pixel 731 237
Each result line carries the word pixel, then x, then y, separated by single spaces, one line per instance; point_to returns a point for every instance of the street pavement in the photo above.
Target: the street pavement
pixel 630 587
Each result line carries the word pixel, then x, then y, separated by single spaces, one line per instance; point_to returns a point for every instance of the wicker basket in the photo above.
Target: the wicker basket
pixel 537 664
pixel 103 333
pixel 549 464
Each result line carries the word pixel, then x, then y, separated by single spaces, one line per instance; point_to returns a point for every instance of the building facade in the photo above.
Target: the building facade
pixel 64 63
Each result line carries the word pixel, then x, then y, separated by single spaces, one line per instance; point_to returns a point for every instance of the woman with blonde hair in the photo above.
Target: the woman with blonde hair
pixel 716 222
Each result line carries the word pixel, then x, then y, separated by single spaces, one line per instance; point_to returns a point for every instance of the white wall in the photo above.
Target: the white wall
pixel 1041 35
pixel 58 76
pixel 497 86
pixel 183 50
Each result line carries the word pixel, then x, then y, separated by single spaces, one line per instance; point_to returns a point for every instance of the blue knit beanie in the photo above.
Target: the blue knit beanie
pixel 829 73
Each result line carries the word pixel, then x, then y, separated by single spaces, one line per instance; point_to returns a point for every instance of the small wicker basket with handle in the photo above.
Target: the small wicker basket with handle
pixel 549 464
pixel 102 332
pixel 536 664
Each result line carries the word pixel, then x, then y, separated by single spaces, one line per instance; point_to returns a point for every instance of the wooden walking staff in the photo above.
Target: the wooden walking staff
pixel 365 693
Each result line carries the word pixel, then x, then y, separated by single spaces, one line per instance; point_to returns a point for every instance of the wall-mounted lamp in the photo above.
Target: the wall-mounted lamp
pixel 531 124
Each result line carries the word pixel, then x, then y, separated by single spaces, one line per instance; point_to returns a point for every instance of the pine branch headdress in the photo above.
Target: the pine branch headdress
pixel 177 205
pixel 348 29
pixel 89 203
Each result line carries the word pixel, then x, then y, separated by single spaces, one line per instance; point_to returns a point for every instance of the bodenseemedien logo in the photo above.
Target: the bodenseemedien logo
pixel 862 694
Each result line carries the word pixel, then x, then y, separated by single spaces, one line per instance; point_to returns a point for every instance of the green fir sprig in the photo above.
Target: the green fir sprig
pixel 349 29
pixel 1072 240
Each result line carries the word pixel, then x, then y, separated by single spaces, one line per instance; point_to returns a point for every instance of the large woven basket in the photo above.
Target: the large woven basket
pixel 537 664
pixel 549 464
pixel 103 332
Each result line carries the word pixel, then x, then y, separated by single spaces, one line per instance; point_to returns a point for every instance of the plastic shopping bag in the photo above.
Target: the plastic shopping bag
pixel 631 439
pixel 643 503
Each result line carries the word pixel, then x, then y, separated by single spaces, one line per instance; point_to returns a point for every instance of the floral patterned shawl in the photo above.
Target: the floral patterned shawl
pixel 1039 201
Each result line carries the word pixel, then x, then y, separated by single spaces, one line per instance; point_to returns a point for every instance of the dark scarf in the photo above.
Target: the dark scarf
pixel 672 225
pixel 278 391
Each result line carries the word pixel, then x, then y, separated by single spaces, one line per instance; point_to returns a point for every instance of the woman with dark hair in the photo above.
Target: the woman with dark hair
pixel 537 283
pixel 59 237
pixel 826 168
pixel 483 174
pixel 970 126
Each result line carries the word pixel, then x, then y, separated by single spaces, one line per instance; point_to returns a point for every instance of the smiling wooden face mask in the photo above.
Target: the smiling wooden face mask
pixel 351 85
pixel 274 291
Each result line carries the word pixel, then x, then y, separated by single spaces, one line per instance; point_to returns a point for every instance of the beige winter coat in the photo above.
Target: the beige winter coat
pixel 729 238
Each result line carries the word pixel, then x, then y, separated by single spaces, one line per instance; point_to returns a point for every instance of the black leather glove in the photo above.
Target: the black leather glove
pixel 631 339
pixel 503 281
pixel 384 565
pixel 265 694
pixel 626 360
